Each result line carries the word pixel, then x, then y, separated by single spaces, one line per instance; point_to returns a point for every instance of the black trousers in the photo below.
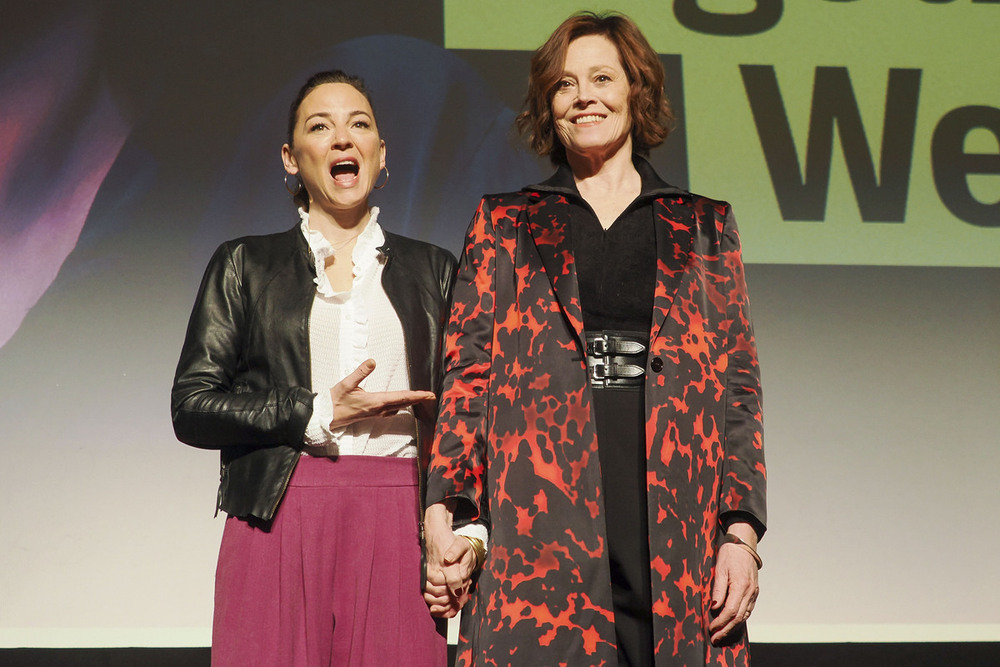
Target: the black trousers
pixel 620 415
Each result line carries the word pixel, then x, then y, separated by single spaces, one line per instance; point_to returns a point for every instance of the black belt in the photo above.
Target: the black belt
pixel 616 359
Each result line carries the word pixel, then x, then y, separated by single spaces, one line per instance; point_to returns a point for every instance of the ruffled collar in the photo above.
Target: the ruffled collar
pixel 366 251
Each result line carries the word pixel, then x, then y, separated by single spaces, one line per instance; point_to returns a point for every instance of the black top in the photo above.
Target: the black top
pixel 615 267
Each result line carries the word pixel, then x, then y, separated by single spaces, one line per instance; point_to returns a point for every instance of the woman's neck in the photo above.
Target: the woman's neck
pixel 605 172
pixel 341 227
pixel 609 186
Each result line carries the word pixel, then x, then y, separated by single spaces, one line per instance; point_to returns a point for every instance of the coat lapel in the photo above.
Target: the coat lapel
pixel 674 222
pixel 548 223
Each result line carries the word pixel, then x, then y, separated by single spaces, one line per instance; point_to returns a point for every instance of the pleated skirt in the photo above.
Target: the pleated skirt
pixel 336 581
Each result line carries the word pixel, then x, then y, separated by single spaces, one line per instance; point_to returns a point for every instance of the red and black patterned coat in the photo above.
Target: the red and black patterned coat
pixel 516 440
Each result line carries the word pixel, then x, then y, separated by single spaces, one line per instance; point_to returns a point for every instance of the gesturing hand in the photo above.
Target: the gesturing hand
pixel 351 403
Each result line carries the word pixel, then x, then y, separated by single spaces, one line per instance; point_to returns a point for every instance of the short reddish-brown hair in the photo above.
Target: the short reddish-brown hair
pixel 649 109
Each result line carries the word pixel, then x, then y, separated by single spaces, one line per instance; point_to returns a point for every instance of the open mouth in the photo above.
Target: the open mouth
pixel 344 171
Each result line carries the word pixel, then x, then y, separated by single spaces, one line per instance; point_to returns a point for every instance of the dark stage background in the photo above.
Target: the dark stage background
pixel 135 137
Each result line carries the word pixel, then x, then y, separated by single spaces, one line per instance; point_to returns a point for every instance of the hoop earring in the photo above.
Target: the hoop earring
pixel 379 187
pixel 298 184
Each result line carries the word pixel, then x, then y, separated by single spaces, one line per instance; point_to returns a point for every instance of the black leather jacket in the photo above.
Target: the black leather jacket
pixel 243 383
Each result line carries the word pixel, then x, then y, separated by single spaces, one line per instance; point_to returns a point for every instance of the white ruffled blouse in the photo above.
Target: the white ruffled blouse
pixel 345 329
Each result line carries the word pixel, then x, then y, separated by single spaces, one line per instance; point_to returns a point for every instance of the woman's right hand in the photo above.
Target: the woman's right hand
pixel 450 562
pixel 351 403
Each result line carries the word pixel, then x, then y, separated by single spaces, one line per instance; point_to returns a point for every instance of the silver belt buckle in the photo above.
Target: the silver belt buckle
pixel 598 371
pixel 599 346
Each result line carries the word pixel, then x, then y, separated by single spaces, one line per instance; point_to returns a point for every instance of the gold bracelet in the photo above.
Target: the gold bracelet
pixel 730 538
pixel 478 552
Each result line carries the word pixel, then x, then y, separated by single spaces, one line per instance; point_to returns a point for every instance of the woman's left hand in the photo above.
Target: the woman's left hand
pixel 450 561
pixel 735 590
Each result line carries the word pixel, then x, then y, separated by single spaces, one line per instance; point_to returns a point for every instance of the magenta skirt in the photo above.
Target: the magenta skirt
pixel 336 581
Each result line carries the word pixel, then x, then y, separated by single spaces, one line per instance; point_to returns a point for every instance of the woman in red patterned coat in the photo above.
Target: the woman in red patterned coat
pixel 601 412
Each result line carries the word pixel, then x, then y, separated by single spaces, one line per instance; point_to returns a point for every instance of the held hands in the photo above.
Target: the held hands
pixel 450 564
pixel 735 590
pixel 351 403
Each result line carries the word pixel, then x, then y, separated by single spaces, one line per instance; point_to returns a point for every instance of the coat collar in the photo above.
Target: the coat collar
pixel 548 223
pixel 561 182
pixel 674 225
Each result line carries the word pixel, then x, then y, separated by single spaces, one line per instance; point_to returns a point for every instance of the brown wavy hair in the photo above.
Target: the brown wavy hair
pixel 649 109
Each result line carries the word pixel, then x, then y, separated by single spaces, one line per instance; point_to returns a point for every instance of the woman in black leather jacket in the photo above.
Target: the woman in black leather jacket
pixel 312 361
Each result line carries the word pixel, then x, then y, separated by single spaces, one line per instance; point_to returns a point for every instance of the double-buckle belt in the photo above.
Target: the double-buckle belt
pixel 616 359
